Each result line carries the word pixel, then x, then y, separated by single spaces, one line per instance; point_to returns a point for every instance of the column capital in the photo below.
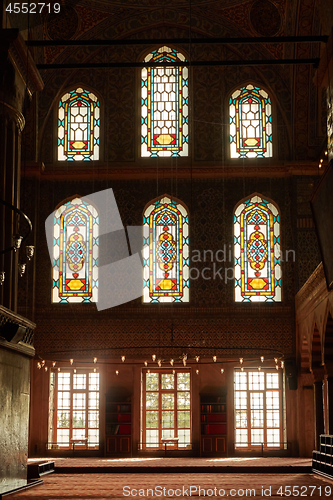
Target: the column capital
pixel 20 74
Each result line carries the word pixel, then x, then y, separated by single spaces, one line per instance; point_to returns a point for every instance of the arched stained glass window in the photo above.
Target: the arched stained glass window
pixel 75 253
pixel 257 251
pixel 78 126
pixel 164 105
pixel 166 252
pixel 250 123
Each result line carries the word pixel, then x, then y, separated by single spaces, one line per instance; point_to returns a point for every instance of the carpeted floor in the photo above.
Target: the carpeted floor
pixel 107 486
pixel 176 462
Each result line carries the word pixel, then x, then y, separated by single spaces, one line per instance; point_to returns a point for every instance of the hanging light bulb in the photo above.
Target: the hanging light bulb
pixel 45 368
pixel 58 369
pixel 282 364
pixel 117 372
pixel 222 370
pixel 95 360
pixel 276 366
pixel 214 359
pixel 184 361
pixel 17 239
pixel 259 368
pixel 29 251
pixel 146 363
pixel 43 362
pixel 21 268
pixel 53 364
pixel 148 371
pixel 197 372
pixel 123 358
pixel 171 361
pixel 159 362
pixel 276 360
pixel 241 360
pixel 242 368
pixel 2 277
pixel 71 361
pixel 75 370
pixel 197 359
pixel 153 357
pixel 95 370
pixel 39 365
pixel 262 359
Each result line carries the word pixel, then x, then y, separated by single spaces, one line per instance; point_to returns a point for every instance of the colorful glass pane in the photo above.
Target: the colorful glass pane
pixel 78 126
pixel 257 251
pixel 166 252
pixel 164 105
pixel 250 123
pixel 75 253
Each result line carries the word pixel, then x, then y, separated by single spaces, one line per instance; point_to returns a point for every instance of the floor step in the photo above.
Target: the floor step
pixel 38 470
pixel 234 469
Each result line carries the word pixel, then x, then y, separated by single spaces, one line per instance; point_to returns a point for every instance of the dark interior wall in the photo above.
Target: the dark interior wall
pixel 211 314
pixel 127 384
pixel 14 415
pixel 209 92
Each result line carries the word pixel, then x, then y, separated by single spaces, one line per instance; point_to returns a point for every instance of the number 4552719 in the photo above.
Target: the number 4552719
pixel 32 8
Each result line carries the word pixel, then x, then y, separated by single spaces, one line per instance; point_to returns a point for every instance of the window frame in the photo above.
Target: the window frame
pixel 265 445
pixel 54 406
pixel 184 254
pixel 251 162
pixel 163 159
pixel 93 269
pixel 275 247
pixel 60 164
pixel 160 445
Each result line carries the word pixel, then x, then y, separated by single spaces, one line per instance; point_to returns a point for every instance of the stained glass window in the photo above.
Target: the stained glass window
pixel 75 253
pixel 166 252
pixel 257 251
pixel 78 126
pixel 164 105
pixel 250 123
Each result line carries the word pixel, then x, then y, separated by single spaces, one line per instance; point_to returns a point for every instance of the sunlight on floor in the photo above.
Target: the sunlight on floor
pixel 129 459
pixel 232 459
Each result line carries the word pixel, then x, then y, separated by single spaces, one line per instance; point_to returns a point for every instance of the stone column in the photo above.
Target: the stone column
pixel 324 79
pixel 19 79
pixel 329 400
pixel 319 374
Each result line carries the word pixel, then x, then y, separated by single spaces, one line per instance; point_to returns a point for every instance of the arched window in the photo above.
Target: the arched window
pixel 166 251
pixel 250 123
pixel 75 253
pixel 257 251
pixel 164 105
pixel 78 126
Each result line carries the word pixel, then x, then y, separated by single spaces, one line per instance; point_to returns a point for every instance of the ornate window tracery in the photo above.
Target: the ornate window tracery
pixel 257 251
pixel 75 253
pixel 250 113
pixel 164 105
pixel 78 126
pixel 166 252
